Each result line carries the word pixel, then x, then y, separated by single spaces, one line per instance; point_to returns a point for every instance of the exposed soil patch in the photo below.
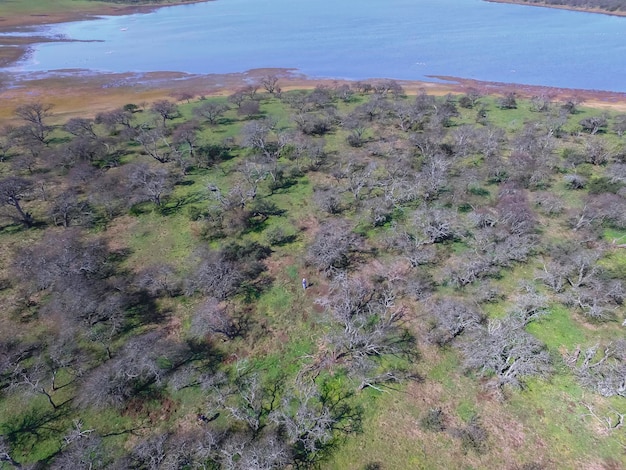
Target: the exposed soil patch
pixel 137 408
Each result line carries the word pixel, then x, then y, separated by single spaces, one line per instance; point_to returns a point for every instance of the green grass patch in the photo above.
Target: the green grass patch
pixel 173 236
pixel 554 411
pixel 444 370
pixel 466 410
pixel 559 330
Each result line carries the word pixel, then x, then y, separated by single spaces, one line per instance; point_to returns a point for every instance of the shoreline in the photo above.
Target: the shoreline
pixel 73 93
pixel 561 7
pixel 9 23
pixel 14 48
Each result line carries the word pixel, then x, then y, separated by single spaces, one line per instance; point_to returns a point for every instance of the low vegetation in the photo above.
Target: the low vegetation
pixel 462 300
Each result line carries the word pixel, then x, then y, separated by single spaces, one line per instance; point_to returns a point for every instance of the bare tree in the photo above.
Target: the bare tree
pixel 270 83
pixel 68 209
pixel 7 141
pixel 150 453
pixel 142 362
pixel 358 177
pixel 193 449
pixel 249 108
pixel 237 98
pixel 594 124
pixel 117 120
pixel 260 137
pixel 318 122
pixel 35 115
pixel 507 101
pixel 216 317
pixel 148 183
pixel 357 126
pixel 473 436
pixel 597 152
pixel 242 452
pixel 35 380
pixel 212 111
pixel 434 176
pixel 471 98
pixel 601 368
pixel 308 421
pixel 514 210
pixel 368 324
pixel 435 225
pixel 108 194
pixel 451 318
pixel 155 144
pixel 250 401
pixel 619 124
pixel 329 200
pixel 159 279
pixel 12 190
pixel 81 127
pixel 504 351
pixel 186 135
pixel 82 448
pixel 166 109
pixel 214 275
pixel 331 249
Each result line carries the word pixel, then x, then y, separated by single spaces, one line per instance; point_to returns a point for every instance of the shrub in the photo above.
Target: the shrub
pixel 472 436
pixel 433 420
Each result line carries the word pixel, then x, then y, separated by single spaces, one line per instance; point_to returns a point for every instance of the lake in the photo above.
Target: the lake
pixel 400 39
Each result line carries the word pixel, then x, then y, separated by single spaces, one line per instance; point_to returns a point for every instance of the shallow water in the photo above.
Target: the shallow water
pixel 355 39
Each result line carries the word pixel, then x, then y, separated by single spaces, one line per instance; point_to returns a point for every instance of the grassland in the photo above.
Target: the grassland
pixel 547 423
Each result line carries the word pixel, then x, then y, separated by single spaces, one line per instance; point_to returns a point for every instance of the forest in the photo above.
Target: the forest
pixel 343 277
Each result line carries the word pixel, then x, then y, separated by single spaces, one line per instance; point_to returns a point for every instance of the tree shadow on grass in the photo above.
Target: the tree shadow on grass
pixel 172 207
pixel 26 429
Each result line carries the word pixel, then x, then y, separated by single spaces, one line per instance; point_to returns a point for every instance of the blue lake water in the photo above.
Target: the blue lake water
pixel 355 39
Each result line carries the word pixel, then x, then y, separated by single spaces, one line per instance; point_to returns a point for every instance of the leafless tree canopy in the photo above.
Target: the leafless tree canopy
pixel 332 248
pixel 503 351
